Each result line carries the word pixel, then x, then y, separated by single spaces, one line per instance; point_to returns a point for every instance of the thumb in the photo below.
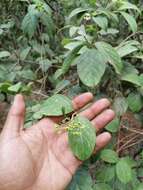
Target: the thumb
pixel 15 118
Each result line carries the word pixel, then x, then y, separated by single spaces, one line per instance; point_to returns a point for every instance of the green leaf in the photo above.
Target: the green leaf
pixel 111 15
pixel 109 31
pixel 45 64
pixel 4 54
pixel 73 30
pixel 26 89
pixel 83 50
pixel 126 5
pixel 131 162
pixel 135 102
pixel 8 25
pixel 91 67
pixel 81 181
pixel 24 53
pixel 61 86
pixel 15 88
pixel 77 11
pixel 138 56
pixel 82 32
pixel 129 69
pixel 102 186
pixel 140 187
pixel 130 20
pixel 132 78
pixel 4 87
pixel 120 105
pixel 111 55
pixel 82 137
pixel 30 21
pixel 70 58
pixel 54 106
pixel 58 73
pixel 1 31
pixel 123 171
pixel 107 175
pixel 73 45
pixel 92 2
pixel 127 48
pixel 46 20
pixel 109 156
pixel 113 126
pixel 101 21
pixel 47 8
pixel 141 80
pixel 27 74
pixel 120 186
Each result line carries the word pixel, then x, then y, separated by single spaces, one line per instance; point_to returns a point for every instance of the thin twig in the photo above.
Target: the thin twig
pixel 122 147
pixel 39 93
pixel 127 137
pixel 133 144
pixel 133 130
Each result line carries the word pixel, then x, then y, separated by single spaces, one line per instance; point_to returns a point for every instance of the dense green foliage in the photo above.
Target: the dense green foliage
pixel 49 47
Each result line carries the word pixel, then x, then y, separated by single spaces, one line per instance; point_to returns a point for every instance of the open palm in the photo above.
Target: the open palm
pixel 38 158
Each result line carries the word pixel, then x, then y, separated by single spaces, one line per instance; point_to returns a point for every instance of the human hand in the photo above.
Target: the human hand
pixel 38 158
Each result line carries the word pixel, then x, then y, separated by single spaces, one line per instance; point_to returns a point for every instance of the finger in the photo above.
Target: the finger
pixel 102 140
pixel 78 102
pixel 81 100
pixel 103 119
pixel 96 108
pixel 15 116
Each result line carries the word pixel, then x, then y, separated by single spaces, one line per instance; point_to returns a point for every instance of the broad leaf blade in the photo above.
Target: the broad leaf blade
pixel 77 11
pixel 135 102
pixel 45 64
pixel 91 67
pixel 110 55
pixel 107 175
pixel 109 156
pixel 82 144
pixel 102 186
pixel 126 5
pixel 101 21
pixel 140 186
pixel 30 21
pixel 24 53
pixel 131 21
pixel 55 106
pixel 132 78
pixel 113 126
pixel 70 58
pixel 123 171
pixel 81 180
pixel 127 48
pixel 4 54
pixel 130 74
pixel 120 105
pixel 15 88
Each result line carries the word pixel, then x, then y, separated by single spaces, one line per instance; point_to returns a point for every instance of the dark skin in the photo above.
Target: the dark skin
pixel 38 158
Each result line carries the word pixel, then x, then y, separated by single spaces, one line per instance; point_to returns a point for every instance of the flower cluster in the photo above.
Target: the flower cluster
pixel 73 126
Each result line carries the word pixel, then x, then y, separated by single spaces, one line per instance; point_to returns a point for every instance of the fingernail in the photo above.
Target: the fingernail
pixel 16 101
